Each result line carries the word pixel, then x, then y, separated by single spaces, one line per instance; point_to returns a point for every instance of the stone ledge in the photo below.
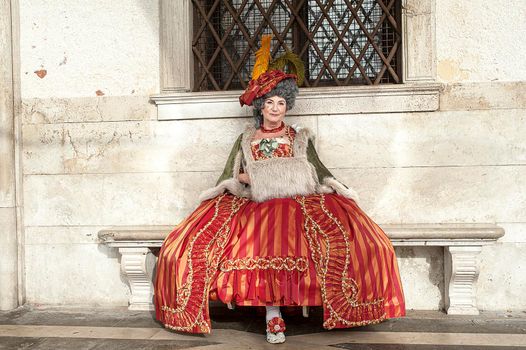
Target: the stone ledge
pixel 396 232
pixel 415 97
pixel 135 233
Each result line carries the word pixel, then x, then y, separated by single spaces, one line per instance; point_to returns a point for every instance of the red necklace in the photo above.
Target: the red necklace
pixel 270 131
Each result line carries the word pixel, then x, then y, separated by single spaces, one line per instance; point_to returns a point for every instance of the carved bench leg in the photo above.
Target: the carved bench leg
pixel 137 266
pixel 461 274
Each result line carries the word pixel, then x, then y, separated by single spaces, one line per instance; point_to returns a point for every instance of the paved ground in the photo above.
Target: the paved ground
pixel 243 328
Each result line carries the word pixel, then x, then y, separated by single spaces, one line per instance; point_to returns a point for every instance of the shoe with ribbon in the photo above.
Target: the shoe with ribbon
pixel 275 330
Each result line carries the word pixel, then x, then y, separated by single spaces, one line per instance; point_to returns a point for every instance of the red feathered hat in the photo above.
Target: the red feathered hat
pixel 263 85
pixel 267 75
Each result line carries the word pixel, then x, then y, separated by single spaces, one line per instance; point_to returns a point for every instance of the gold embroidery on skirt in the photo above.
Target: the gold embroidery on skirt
pixel 289 263
pixel 214 248
pixel 320 248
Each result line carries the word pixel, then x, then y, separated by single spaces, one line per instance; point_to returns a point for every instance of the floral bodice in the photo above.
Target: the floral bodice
pixel 282 146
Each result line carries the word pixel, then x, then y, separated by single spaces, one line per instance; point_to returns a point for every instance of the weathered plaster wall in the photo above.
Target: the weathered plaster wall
pixel 480 40
pixel 87 46
pixel 479 49
pixel 92 162
pixel 9 131
pixel 84 65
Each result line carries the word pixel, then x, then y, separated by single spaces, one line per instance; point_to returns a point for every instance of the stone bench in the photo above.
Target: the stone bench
pixel 461 242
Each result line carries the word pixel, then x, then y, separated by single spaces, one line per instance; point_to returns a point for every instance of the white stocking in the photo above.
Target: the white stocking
pixel 272 311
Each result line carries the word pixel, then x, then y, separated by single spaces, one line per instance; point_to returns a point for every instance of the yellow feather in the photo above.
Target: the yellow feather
pixel 262 57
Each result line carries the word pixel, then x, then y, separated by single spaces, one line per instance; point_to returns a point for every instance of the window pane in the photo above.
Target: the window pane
pixel 342 42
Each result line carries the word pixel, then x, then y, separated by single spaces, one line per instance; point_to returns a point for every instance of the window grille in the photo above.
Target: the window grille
pixel 342 42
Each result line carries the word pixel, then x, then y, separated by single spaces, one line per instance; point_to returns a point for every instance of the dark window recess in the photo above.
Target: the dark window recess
pixel 342 42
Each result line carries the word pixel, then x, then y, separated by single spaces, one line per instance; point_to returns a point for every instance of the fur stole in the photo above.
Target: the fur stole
pixel 277 177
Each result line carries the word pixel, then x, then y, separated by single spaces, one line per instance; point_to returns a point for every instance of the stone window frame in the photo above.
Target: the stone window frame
pixel 419 91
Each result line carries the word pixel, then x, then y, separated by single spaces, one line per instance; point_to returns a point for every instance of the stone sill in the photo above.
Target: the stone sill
pixel 415 97
pixel 460 232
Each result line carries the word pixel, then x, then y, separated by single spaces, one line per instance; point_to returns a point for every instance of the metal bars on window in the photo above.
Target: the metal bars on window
pixel 342 42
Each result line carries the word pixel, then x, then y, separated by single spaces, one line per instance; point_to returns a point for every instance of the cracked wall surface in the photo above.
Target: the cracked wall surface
pixel 98 48
pixel 95 156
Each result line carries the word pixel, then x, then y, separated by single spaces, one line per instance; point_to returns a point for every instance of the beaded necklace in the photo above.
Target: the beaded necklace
pixel 270 131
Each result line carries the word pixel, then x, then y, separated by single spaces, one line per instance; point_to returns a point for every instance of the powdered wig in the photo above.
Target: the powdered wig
pixel 286 89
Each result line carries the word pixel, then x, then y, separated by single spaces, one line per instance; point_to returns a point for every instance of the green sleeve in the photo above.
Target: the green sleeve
pixel 229 166
pixel 313 158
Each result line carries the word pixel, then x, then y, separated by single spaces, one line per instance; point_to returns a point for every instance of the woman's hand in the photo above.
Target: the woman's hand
pixel 244 178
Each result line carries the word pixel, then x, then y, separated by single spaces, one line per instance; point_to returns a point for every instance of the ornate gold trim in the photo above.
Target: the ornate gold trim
pixel 322 244
pixel 289 263
pixel 210 257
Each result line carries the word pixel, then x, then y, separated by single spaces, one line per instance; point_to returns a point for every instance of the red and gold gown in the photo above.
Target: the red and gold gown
pixel 320 249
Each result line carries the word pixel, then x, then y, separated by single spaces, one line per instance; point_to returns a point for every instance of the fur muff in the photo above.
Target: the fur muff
pixel 280 178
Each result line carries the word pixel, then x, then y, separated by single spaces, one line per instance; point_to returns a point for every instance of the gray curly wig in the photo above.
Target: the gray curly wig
pixel 286 88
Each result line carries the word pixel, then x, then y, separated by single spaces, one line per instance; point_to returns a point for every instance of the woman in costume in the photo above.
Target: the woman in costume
pixel 277 230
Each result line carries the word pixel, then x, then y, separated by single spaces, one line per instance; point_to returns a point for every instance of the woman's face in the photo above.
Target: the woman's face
pixel 274 109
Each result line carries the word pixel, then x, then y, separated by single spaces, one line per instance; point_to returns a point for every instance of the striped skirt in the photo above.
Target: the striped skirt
pixel 308 250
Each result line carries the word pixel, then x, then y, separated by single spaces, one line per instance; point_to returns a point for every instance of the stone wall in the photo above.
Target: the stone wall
pixel 91 162
pixel 87 70
pixel 479 59
pixel 9 201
